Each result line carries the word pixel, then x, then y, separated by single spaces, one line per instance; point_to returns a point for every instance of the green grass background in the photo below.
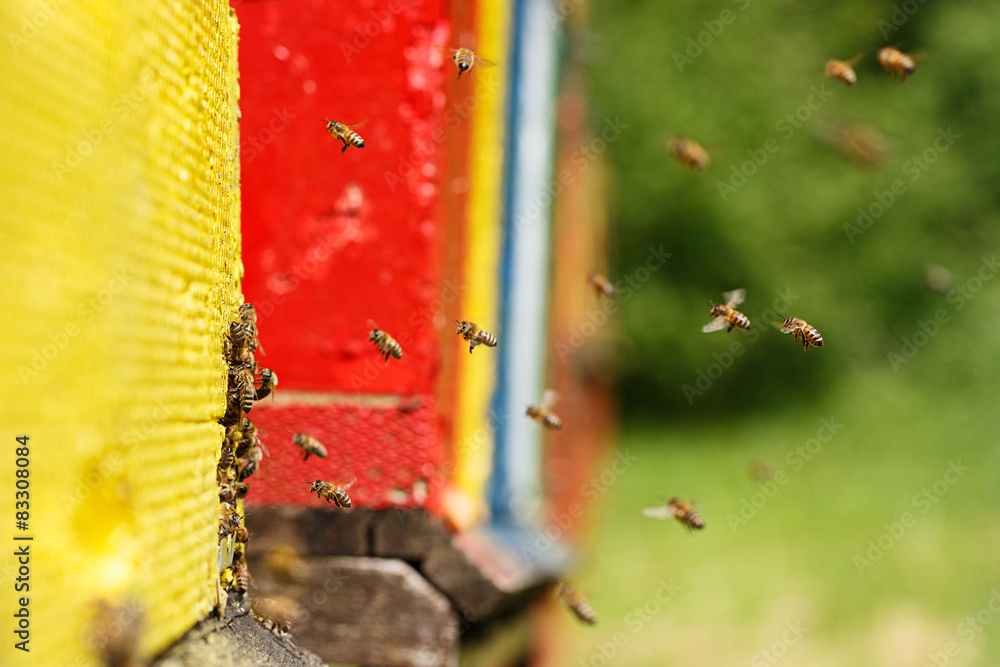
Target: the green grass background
pixel 794 561
pixel 784 230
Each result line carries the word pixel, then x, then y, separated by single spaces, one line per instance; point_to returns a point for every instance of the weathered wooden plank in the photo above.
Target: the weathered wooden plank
pixel 409 535
pixel 310 531
pixel 370 611
pixel 483 573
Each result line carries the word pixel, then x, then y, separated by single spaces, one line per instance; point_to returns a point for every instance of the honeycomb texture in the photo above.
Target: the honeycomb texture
pixel 121 246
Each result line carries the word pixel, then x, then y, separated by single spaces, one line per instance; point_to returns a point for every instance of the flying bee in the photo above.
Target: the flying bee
pixel 543 413
pixel 268 381
pixel 728 314
pixel 386 344
pixel 334 492
pixel 577 603
pixel 896 63
pixel 476 336
pixel 465 58
pixel 309 445
pixel 802 331
pixel 689 153
pixel 862 143
pixel 842 70
pixel 679 509
pixel 345 134
pixel 601 284
pixel 761 470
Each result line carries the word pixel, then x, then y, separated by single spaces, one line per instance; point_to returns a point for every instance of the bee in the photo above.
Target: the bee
pixel 862 143
pixel 680 510
pixel 465 58
pixel 276 614
pixel 248 437
pixel 601 284
pixel 242 391
pixel 476 336
pixel 230 493
pixel 345 134
pixel 268 381
pixel 761 470
pixel 802 331
pixel 241 341
pixel 689 153
pixel 728 314
pixel 229 521
pixel 896 63
pixel 334 492
pixel 543 414
pixel 241 535
pixel 233 412
pixel 577 603
pixel 386 344
pixel 309 445
pixel 248 314
pixel 241 576
pixel 241 399
pixel 842 70
pixel 226 457
pixel 249 466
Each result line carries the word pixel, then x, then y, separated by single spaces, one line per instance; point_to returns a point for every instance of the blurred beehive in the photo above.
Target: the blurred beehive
pixel 120 182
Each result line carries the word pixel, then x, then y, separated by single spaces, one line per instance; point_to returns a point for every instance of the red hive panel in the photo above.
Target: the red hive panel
pixel 392 451
pixel 329 239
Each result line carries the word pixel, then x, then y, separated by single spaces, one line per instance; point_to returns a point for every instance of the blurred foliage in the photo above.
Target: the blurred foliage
pixel 784 229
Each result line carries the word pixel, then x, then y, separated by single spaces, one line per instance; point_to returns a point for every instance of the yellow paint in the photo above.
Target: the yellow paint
pixel 120 244
pixel 477 372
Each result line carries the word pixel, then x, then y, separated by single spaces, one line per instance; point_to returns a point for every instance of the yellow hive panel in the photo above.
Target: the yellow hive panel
pixel 120 241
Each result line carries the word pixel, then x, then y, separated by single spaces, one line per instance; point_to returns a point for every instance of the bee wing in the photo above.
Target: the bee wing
pixel 447 50
pixel 855 60
pixel 483 62
pixel 658 512
pixel 735 297
pixel 345 483
pixel 782 327
pixel 715 325
pixel 371 324
pixel 549 398
pixel 358 124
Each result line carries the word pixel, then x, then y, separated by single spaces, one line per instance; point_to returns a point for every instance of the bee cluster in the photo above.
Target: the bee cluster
pixel 242 449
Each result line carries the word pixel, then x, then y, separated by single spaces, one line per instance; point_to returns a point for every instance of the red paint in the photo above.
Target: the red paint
pixel 331 239
pixel 393 452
